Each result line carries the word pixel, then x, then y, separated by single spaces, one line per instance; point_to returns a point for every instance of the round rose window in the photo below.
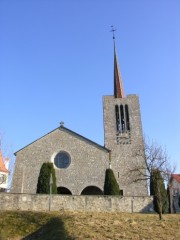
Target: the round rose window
pixel 62 160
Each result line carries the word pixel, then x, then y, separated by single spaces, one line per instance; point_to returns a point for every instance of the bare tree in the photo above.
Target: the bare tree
pixel 155 158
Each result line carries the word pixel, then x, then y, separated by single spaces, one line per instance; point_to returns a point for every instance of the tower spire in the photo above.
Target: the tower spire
pixel 118 86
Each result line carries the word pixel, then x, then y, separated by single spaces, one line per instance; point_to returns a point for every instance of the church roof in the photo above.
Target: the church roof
pixel 176 177
pixel 84 138
pixel 62 128
pixel 118 86
pixel 2 165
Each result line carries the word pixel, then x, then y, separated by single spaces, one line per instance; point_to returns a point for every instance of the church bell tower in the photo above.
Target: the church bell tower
pixel 123 135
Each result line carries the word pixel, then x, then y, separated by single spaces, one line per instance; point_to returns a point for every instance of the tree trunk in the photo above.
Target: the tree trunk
pixel 160 215
pixel 160 207
pixel 170 200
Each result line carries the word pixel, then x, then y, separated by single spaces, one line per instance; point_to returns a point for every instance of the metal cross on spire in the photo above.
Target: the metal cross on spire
pixel 113 30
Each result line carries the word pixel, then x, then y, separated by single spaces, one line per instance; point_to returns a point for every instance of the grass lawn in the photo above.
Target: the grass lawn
pixel 16 225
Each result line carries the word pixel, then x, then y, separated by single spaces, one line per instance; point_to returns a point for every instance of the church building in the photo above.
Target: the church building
pixel 80 163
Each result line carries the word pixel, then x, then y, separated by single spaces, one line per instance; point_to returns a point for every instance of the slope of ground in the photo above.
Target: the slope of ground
pixel 87 225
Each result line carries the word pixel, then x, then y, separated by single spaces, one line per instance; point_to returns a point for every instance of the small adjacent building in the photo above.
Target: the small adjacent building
pixel 4 173
pixel 175 184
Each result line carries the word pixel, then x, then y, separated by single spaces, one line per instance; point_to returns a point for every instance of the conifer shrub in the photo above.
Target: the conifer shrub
pixel 43 185
pixel 111 186
pixel 157 189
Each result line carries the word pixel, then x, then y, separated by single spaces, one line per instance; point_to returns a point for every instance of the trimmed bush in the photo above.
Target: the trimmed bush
pixel 111 186
pixel 43 185
pixel 157 188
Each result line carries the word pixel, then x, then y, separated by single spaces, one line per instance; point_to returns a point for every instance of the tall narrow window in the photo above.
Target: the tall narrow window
pixel 117 118
pixel 123 133
pixel 127 117
pixel 122 118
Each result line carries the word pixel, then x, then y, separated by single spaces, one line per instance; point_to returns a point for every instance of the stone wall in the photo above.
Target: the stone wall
pixel 43 202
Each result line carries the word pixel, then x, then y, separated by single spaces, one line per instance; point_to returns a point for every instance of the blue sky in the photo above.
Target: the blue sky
pixel 56 63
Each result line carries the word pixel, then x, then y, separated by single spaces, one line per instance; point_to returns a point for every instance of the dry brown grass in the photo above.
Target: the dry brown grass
pixel 88 225
pixel 123 226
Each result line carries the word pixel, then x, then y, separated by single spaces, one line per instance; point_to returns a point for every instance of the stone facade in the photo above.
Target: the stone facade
pixel 42 202
pixel 87 168
pixel 125 144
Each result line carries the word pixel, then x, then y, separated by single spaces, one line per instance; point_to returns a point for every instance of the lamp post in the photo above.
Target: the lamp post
pixel 50 192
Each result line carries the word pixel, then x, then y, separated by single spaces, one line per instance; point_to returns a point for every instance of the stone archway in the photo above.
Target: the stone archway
pixel 63 191
pixel 91 190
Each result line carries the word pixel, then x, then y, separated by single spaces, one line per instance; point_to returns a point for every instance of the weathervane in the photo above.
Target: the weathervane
pixel 113 30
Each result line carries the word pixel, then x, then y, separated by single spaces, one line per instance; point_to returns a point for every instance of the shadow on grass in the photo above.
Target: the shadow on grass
pixel 53 230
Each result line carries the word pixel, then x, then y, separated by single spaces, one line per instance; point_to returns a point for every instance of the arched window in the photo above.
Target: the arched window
pixel 62 160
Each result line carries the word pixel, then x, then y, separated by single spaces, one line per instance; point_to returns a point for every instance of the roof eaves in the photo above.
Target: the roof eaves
pixel 71 132
pixel 34 141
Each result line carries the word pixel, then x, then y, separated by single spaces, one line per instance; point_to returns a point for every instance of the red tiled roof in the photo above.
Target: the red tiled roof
pixel 2 165
pixel 176 177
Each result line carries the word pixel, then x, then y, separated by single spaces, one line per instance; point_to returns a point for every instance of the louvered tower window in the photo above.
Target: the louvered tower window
pixel 122 118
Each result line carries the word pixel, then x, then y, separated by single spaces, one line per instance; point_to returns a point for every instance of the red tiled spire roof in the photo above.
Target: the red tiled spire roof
pixel 118 86
pixel 176 177
pixel 2 165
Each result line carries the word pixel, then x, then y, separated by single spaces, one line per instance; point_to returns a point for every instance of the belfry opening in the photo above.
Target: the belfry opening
pixel 122 118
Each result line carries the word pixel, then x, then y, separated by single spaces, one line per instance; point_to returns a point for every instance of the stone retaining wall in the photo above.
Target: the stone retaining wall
pixel 43 202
